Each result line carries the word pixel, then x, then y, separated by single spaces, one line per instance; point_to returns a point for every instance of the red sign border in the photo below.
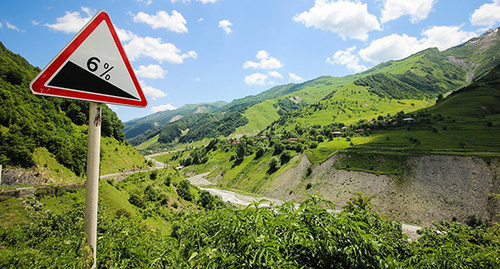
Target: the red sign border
pixel 37 86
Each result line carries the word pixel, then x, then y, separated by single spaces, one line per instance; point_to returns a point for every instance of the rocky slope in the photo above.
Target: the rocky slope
pixel 437 187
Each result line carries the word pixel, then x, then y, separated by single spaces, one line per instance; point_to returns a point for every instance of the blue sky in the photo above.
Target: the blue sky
pixel 192 51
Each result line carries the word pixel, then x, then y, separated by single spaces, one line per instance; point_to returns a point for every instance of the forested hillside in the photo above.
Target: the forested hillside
pixel 137 127
pixel 29 122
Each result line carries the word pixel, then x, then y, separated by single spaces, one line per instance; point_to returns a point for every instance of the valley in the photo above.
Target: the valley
pixel 344 162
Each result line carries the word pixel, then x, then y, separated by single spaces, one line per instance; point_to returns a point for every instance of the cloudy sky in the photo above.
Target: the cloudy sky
pixel 191 51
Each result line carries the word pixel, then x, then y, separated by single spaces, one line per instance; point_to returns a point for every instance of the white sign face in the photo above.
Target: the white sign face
pixel 94 67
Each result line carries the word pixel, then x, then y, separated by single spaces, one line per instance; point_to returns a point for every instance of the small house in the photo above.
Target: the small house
pixel 337 134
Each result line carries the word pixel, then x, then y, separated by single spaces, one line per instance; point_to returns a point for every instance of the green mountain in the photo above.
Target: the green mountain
pixel 388 88
pixel 49 134
pixel 136 127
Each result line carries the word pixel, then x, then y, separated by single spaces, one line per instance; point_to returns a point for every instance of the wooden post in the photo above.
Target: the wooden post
pixel 92 185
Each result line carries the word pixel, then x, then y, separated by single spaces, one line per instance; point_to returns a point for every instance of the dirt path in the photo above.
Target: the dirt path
pixel 158 165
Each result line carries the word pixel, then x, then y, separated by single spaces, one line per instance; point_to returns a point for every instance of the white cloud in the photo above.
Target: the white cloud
pixel 345 18
pixel 137 47
pixel 392 47
pixel 294 77
pixel 196 79
pixel 175 22
pixel 150 91
pixel 202 1
pixel 275 74
pixel 154 48
pixel 125 35
pixel 163 108
pixel 146 2
pixel 13 27
pixel 395 47
pixel 207 1
pixel 71 22
pixel 256 79
pixel 487 14
pixel 152 71
pixel 225 25
pixel 445 37
pixel 266 62
pixel 347 58
pixel 416 9
pixel 36 23
pixel 113 107
pixel 1 25
pixel 200 19
pixel 89 11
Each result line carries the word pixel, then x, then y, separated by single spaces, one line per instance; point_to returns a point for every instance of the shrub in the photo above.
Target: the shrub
pixel 309 171
pixel 274 163
pixel 153 175
pixel 259 152
pixel 137 201
pixel 151 193
pixel 206 200
pixel 184 191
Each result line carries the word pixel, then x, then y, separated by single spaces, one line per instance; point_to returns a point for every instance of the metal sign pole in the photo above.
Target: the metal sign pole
pixel 92 185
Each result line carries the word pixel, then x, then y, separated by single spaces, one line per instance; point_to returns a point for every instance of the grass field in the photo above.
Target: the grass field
pixel 113 201
pixel 353 103
pixel 148 143
pixel 325 150
pixel 116 157
pixel 259 117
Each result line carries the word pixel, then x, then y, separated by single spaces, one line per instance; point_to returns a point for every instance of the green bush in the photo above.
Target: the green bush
pixel 274 163
pixel 183 189
pixel 137 201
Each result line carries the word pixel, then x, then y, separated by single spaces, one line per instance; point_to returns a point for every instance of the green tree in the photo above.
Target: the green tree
pixel 183 189
pixel 207 200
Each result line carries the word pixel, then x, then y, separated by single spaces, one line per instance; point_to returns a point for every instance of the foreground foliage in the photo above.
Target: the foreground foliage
pixel 284 236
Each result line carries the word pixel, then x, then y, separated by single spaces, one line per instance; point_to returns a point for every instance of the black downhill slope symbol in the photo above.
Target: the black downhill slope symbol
pixel 72 76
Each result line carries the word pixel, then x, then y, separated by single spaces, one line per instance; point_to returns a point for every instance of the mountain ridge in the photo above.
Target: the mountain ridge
pixel 421 76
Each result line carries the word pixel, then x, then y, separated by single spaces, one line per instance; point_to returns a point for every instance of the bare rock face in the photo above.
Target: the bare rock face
pixel 437 187
pixel 21 177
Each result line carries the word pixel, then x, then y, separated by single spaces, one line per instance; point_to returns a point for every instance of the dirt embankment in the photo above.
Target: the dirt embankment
pixel 438 188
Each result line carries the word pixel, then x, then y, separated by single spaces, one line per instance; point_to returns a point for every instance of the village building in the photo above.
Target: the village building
pixel 337 134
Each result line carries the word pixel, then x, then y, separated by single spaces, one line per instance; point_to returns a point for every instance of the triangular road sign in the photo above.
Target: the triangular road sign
pixel 92 67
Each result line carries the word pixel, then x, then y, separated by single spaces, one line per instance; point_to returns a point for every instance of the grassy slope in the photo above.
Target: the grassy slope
pixel 351 104
pixel 461 128
pixel 148 143
pixel 258 116
pixel 115 157
pixel 113 200
pixel 418 65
